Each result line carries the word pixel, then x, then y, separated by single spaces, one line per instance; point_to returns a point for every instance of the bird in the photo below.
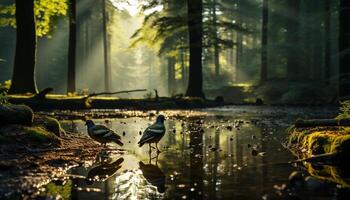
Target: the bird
pixel 153 133
pixel 154 175
pixel 102 134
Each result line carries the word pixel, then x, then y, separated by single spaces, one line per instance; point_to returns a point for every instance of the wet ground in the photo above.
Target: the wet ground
pixel 226 153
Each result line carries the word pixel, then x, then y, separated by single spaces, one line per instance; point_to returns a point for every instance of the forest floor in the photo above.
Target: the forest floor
pixel 25 170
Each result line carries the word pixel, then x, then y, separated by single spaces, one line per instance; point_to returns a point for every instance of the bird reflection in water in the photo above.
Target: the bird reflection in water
pixel 154 175
pixel 104 170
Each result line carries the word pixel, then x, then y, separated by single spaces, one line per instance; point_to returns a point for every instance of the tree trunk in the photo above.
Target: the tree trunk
pixel 106 48
pixel 264 40
pixel 195 29
pixel 344 46
pixel 23 77
pixel 183 67
pixel 216 42
pixel 72 46
pixel 239 47
pixel 316 68
pixel 293 39
pixel 327 73
pixel 171 75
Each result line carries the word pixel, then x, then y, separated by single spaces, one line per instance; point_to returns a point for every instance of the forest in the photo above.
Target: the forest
pixel 99 99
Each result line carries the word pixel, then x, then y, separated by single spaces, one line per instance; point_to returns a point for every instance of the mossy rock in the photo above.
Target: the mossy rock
pixel 16 114
pixel 307 142
pixel 49 123
pixel 40 135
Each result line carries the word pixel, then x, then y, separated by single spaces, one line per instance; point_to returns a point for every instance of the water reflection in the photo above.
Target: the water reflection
pixel 154 175
pixel 202 158
pixel 103 171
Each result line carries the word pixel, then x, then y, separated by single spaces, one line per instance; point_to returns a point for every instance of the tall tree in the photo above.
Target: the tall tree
pixel 23 77
pixel 239 42
pixel 292 20
pixel 327 52
pixel 171 75
pixel 107 65
pixel 195 30
pixel 72 46
pixel 344 48
pixel 264 39
pixel 216 42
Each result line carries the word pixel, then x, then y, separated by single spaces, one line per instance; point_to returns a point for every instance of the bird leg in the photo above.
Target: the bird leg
pixel 150 154
pixel 158 151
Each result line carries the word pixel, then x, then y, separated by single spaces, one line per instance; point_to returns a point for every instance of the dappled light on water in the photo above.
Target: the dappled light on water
pixel 208 156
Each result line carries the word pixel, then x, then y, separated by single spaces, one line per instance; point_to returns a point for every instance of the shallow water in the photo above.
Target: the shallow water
pixel 227 153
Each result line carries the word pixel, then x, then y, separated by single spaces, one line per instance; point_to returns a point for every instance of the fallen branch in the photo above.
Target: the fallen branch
pixel 42 94
pixel 321 122
pixel 111 93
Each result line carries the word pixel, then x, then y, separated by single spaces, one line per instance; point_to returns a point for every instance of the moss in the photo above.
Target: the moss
pixel 39 135
pixel 307 142
pixel 64 191
pixel 49 123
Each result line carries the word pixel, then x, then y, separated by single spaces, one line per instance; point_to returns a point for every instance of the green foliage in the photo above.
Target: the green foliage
pixel 344 110
pixel 45 11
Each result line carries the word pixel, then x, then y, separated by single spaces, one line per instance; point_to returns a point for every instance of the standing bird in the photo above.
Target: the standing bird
pixel 153 133
pixel 102 134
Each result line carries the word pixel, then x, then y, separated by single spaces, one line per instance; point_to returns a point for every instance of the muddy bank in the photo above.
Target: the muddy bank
pixel 35 150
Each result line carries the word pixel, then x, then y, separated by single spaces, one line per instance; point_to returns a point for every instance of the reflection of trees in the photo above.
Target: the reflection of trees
pixel 171 135
pixel 215 164
pixel 196 162
pixel 264 164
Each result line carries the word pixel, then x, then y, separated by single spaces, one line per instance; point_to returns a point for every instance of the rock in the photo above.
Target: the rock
pixel 16 114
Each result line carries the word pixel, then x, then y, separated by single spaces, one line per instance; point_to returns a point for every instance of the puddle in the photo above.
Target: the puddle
pixel 217 156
